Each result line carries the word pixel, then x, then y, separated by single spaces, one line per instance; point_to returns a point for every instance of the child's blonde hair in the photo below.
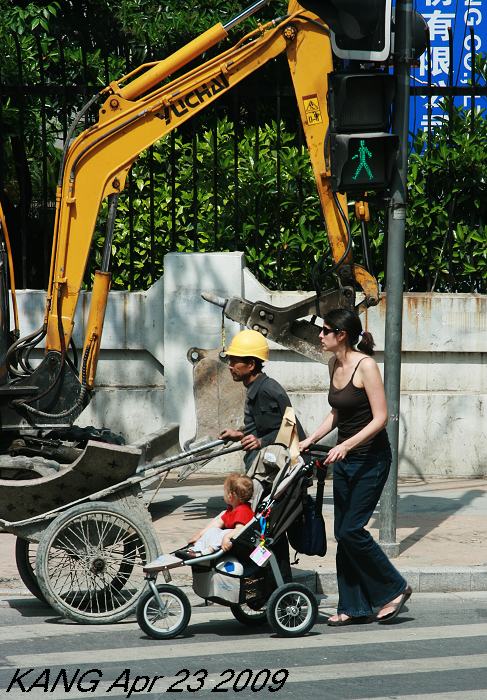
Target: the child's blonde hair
pixel 240 485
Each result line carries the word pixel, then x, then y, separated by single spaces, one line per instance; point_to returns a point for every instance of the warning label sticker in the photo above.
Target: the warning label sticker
pixel 312 109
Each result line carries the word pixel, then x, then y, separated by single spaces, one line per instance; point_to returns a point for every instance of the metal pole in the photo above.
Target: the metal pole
pixel 395 270
pixel 245 14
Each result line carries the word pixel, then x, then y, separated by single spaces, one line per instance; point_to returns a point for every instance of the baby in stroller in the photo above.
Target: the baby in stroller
pixel 237 492
pixel 247 578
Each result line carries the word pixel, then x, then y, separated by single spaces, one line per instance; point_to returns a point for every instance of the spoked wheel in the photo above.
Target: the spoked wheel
pixel 25 558
pixel 292 610
pixel 247 616
pixel 164 616
pixel 90 559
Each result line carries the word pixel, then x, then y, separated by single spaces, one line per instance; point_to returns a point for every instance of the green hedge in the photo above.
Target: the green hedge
pixel 282 233
pixel 280 230
pixel 446 246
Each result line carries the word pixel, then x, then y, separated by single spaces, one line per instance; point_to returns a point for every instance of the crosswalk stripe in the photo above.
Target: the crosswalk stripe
pixel 21 633
pixel 9 633
pixel 306 674
pixel 169 649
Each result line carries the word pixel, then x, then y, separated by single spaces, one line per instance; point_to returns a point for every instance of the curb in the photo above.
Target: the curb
pixel 435 579
pixel 438 579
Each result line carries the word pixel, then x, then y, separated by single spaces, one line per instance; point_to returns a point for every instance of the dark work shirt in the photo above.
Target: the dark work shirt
pixel 265 405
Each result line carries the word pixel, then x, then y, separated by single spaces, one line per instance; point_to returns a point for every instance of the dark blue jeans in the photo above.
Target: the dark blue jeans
pixel 366 577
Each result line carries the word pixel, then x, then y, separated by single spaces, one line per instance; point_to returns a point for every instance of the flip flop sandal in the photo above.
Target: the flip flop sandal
pixel 348 621
pixel 405 595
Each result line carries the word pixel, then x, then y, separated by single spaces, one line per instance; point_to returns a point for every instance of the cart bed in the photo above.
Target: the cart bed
pixel 100 466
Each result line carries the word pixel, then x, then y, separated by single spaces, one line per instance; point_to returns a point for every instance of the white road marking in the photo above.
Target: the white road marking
pixel 152 649
pixel 121 684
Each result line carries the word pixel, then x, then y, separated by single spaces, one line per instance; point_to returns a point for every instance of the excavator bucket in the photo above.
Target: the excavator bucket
pixel 218 399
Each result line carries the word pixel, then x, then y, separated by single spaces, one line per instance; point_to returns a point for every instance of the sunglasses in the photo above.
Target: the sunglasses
pixel 326 331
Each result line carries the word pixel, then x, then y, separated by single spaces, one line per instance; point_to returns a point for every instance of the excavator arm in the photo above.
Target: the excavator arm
pixel 137 111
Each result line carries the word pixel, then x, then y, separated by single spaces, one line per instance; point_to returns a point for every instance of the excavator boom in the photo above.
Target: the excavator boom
pixel 135 112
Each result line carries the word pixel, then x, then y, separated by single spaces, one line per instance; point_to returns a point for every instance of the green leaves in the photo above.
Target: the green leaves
pixel 447 207
pixel 278 226
pixel 273 212
pixel 31 17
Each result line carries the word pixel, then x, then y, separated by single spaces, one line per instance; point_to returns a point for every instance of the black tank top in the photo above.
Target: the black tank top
pixel 354 413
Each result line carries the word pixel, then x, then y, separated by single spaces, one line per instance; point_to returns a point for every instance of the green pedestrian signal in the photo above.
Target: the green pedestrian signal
pixel 362 162
pixel 362 155
pixel 362 152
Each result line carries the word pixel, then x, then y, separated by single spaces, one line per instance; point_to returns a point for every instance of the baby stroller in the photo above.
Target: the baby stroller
pixel 247 578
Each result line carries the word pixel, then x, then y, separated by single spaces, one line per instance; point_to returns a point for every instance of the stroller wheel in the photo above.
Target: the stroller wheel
pixel 292 610
pixel 247 616
pixel 167 615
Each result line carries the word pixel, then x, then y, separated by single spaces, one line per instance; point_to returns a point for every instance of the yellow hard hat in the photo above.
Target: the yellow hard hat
pixel 249 344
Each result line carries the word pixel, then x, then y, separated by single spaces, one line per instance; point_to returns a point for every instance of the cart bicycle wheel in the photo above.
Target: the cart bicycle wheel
pixel 292 610
pixel 247 616
pixel 167 615
pixel 25 558
pixel 90 560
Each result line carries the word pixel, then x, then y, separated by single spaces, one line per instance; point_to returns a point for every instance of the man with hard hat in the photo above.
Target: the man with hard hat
pixel 266 400
pixel 264 409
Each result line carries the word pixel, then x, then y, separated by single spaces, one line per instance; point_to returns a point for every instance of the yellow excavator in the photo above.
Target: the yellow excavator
pixel 135 111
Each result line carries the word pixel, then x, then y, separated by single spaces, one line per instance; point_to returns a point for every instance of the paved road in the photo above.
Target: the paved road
pixel 437 649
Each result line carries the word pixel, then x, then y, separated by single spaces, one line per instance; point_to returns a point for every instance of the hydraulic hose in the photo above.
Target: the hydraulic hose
pixel 77 404
pixel 29 340
pixel 319 265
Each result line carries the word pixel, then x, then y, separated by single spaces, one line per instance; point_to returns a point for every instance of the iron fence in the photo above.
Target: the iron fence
pixel 36 109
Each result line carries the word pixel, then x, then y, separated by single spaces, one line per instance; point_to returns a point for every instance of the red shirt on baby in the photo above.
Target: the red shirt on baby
pixel 240 515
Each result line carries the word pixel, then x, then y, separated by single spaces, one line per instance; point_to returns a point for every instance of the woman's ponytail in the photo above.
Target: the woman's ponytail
pixel 346 320
pixel 366 344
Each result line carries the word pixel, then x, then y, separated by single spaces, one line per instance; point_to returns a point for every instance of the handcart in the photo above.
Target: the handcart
pixel 246 578
pixel 84 533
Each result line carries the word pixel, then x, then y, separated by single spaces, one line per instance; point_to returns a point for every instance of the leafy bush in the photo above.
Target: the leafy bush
pixel 446 247
pixel 280 230
pixel 273 214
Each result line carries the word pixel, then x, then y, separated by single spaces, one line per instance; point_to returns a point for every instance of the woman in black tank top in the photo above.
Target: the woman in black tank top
pixel 370 587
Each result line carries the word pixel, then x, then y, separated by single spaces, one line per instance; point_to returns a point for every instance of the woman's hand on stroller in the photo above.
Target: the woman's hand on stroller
pixel 337 453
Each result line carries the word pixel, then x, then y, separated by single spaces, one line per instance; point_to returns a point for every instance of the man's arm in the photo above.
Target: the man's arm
pixel 231 434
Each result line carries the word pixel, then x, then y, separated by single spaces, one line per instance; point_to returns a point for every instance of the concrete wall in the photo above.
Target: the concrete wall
pixel 145 380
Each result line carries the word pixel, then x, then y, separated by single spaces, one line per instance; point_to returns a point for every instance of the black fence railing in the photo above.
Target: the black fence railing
pixel 200 173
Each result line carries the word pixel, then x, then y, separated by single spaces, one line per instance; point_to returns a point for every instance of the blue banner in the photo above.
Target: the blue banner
pixel 460 15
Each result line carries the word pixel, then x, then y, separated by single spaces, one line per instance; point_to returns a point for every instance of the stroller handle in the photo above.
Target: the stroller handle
pixel 316 449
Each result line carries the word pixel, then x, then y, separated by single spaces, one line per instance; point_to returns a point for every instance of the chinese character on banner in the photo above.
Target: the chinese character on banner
pixel 440 15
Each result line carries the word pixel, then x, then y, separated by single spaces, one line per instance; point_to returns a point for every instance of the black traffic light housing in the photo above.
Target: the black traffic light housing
pixel 361 29
pixel 362 151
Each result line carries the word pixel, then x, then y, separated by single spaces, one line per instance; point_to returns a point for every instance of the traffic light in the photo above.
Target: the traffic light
pixel 360 29
pixel 362 151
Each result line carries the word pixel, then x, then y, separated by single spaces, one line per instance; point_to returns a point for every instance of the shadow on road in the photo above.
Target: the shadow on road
pixel 192 508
